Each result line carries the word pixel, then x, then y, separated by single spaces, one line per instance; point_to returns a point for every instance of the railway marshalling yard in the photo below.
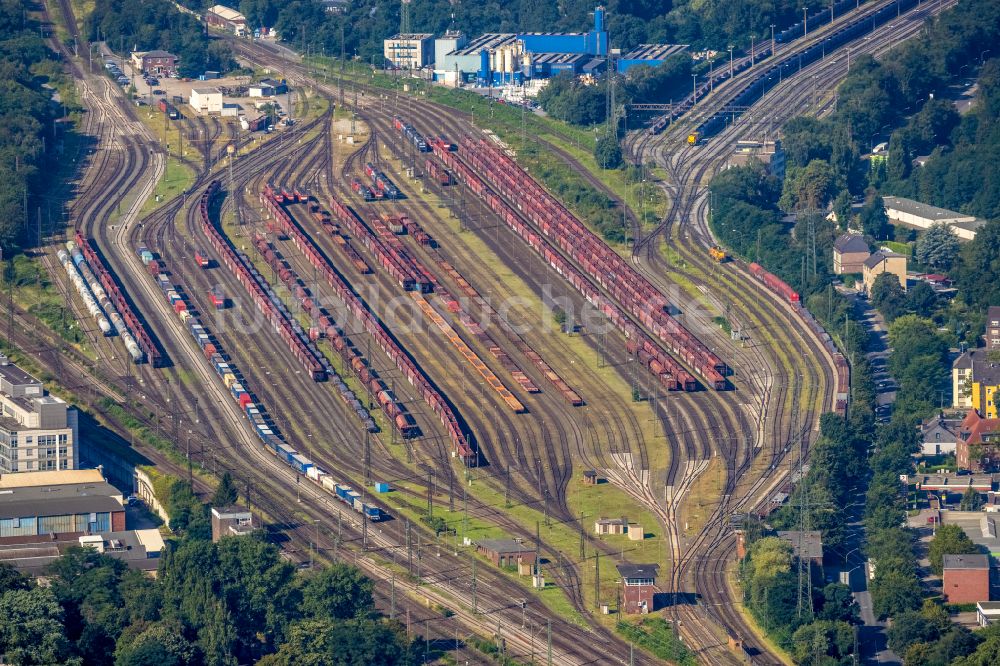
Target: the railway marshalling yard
pixel 501 337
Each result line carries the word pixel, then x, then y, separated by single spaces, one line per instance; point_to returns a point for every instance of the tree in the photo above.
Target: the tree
pixel 893 590
pixel 922 299
pixel 226 494
pixel 31 630
pixel 607 152
pixel 888 296
pixel 823 642
pixel 12 579
pixel 808 188
pixel 988 651
pixel 971 501
pixel 337 592
pixel 838 605
pixel 158 644
pixel 937 247
pixel 909 628
pixel 874 220
pixel 948 540
pixel 979 276
pixel 349 643
pixel 842 208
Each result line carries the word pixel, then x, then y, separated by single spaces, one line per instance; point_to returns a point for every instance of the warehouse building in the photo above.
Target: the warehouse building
pixel 58 505
pixel 37 431
pixel 206 100
pixel 649 54
pixel 224 18
pixel 409 51
pixel 916 215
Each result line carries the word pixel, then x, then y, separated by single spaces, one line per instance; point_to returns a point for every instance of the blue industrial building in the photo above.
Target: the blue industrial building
pixel 504 58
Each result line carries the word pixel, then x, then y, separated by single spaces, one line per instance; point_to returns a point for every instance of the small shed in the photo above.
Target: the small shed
pixel 611 525
pixel 590 477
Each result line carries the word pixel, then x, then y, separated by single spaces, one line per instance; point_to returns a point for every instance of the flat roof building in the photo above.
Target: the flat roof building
pixel 38 432
pixel 806 545
pixel 206 100
pixel 234 520
pixel 61 505
pixel 409 51
pixel 966 578
pixel 910 213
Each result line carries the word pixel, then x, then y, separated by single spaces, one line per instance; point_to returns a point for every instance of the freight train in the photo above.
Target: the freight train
pixel 142 348
pixel 253 410
pixel 598 263
pixel 360 311
pixel 412 135
pixel 763 81
pixel 315 364
pixel 382 184
pixel 782 289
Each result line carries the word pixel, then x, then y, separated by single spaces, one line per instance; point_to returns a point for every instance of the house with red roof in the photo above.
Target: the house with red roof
pixel 978 446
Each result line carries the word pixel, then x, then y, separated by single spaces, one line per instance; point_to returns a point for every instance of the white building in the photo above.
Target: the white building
pixel 410 51
pixel 38 432
pixel 910 213
pixel 206 100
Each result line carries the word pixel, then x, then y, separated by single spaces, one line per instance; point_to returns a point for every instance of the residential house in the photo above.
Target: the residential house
pixel 939 435
pixel 993 327
pixel 883 261
pixel 966 579
pixel 975 379
pixel 638 587
pixel 978 446
pixel 849 254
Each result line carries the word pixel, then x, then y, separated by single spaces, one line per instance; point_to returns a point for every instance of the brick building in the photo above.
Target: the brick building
pixel 160 63
pixel 506 552
pixel 638 587
pixel 966 578
pixel 978 445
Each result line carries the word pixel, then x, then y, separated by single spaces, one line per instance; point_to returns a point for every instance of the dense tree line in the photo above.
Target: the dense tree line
pixel 214 604
pixel 26 121
pixel 146 26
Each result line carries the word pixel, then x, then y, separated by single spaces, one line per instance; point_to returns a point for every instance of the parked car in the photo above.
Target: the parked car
pixel 159 92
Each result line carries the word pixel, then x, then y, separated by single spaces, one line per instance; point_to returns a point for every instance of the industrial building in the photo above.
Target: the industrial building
pixel 232 520
pixel 649 54
pixel 224 18
pixel 966 578
pixel 768 152
pixel 37 431
pixel 58 505
pixel 917 215
pixel 409 51
pixel 206 100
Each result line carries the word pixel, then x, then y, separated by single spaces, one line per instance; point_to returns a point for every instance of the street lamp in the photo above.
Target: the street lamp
pixel 805 24
pixel 694 88
pixel 730 61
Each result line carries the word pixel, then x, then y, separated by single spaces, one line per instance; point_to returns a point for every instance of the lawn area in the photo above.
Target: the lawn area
pixel 657 636
pixel 177 177
pixel 35 292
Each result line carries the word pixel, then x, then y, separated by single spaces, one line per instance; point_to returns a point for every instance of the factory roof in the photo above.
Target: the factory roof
pixel 226 13
pixel 638 570
pixel 488 41
pixel 50 479
pixel 16 375
pixel 411 36
pixel 40 505
pixel 654 51
pixel 207 91
pixel 139 548
pixel 973 561
pixel 558 58
pixel 925 211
